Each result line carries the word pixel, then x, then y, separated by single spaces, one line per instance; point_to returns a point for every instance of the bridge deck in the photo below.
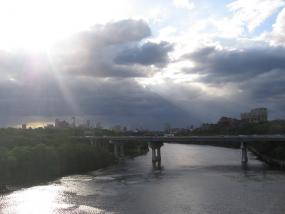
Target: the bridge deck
pixel 189 139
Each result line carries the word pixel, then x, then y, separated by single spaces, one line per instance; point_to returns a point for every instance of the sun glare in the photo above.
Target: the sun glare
pixel 39 24
pixel 43 199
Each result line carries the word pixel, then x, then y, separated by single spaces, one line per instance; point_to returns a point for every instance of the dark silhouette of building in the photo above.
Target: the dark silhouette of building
pixel 255 115
pixel 61 124
pixel 227 121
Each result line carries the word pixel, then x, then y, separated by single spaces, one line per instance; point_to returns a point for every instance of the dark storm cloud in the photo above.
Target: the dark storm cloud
pixel 92 52
pixel 147 54
pixel 270 85
pixel 258 71
pixel 234 66
pixel 257 75
pixel 124 101
pixel 111 101
pixel 42 97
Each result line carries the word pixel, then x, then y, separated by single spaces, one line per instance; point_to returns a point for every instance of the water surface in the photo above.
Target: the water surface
pixel 194 179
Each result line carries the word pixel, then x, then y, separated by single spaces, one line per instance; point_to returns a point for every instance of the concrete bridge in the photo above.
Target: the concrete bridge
pixel 155 142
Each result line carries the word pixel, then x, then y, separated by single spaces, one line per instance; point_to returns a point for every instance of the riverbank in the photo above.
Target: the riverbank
pixel 271 153
pixel 268 159
pixel 15 182
pixel 29 157
pixel 24 166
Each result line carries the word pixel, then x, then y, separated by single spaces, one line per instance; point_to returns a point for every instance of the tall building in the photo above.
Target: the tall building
pixel 98 125
pixel 61 124
pixel 255 115
pixel 73 122
pixel 24 126
pixel 88 124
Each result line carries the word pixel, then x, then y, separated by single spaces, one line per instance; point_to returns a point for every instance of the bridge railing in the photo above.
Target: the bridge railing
pixel 185 139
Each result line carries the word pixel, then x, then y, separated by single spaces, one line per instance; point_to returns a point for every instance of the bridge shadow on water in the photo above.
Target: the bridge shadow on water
pixel 191 161
pixel 128 176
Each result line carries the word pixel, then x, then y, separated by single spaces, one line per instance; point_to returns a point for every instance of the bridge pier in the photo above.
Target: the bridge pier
pixel 116 150
pixel 119 150
pixel 100 144
pixel 139 149
pixel 122 150
pixel 244 158
pixel 156 154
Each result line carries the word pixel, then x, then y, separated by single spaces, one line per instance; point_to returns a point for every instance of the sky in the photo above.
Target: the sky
pixel 140 63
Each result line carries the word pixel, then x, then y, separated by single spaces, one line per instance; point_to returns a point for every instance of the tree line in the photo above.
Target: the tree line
pixel 37 154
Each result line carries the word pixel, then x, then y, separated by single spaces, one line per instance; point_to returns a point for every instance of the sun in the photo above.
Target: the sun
pixel 30 24
pixel 40 24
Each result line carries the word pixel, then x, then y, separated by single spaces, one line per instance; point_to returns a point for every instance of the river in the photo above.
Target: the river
pixel 194 179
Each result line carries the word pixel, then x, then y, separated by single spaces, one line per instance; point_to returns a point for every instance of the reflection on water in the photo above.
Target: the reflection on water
pixel 194 179
pixel 43 199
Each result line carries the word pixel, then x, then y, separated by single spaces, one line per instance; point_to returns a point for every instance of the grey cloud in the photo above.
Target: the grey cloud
pixel 111 100
pixel 105 69
pixel 124 101
pixel 147 54
pixel 92 53
pixel 23 63
pixel 124 31
pixel 268 86
pixel 235 66
pixel 256 73
pixel 111 33
pixel 42 96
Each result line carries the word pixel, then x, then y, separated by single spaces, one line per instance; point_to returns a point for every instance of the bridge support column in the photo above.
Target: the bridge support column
pixel 119 150
pixel 156 154
pixel 116 150
pixel 122 150
pixel 244 158
pixel 139 149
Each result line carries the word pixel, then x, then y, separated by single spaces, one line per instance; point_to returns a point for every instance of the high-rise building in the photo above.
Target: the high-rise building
pixel 24 126
pixel 61 124
pixel 73 122
pixel 255 115
pixel 88 124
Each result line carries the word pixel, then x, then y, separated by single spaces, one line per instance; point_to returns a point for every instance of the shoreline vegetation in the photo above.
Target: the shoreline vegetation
pixel 271 153
pixel 268 159
pixel 38 155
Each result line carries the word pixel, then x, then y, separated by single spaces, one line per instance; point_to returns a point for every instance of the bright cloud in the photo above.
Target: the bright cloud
pixel 39 24
pixel 277 36
pixel 188 4
pixel 250 14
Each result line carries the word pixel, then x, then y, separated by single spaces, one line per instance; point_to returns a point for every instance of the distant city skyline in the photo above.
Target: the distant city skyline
pixel 140 63
pixel 254 115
